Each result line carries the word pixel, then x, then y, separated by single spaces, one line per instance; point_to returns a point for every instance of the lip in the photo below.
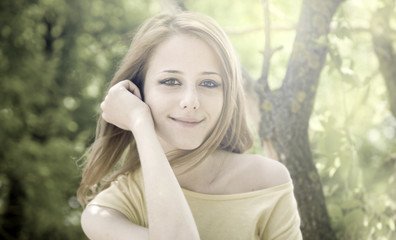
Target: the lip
pixel 187 122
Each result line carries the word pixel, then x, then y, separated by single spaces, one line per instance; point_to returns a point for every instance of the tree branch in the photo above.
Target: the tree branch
pixel 383 48
pixel 172 6
pixel 280 28
pixel 267 53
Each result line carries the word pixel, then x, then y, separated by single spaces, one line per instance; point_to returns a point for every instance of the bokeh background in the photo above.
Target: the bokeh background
pixel 57 57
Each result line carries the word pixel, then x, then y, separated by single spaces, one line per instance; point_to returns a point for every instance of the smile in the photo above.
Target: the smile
pixel 187 122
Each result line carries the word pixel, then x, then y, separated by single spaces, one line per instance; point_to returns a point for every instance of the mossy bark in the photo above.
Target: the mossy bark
pixel 285 114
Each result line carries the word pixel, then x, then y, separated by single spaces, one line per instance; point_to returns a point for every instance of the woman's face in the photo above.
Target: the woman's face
pixel 184 90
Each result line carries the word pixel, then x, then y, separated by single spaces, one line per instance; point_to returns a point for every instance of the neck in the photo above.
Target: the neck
pixel 201 177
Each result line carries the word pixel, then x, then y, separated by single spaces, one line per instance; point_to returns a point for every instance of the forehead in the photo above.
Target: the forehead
pixel 183 51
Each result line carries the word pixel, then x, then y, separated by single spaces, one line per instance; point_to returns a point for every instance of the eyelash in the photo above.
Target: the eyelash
pixel 174 82
pixel 168 81
pixel 209 84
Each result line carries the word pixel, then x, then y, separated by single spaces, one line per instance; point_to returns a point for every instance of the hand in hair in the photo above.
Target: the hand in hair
pixel 124 108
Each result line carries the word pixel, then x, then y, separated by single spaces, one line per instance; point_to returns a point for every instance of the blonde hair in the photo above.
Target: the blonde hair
pixel 231 132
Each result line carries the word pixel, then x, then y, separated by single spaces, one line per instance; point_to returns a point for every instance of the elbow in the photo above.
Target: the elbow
pixel 91 221
pixel 85 222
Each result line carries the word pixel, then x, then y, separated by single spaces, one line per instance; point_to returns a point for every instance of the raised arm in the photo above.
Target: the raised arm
pixel 168 212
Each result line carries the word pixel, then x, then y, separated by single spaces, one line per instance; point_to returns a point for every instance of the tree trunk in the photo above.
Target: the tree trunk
pixel 285 115
pixel 13 219
pixel 383 48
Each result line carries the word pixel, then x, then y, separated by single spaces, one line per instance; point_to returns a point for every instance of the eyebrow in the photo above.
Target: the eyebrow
pixel 211 73
pixel 202 73
pixel 173 71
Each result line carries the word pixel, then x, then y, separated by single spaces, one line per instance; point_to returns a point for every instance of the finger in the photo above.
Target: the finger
pixel 126 85
pixel 130 86
pixel 120 86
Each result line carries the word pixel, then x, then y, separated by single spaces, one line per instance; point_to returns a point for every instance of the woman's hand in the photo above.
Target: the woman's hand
pixel 124 108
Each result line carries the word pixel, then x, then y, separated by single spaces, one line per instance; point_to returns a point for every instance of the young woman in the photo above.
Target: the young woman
pixel 168 158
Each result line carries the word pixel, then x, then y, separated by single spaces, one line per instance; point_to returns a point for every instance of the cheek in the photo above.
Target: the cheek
pixel 157 104
pixel 150 100
pixel 216 107
pixel 220 108
pixel 154 105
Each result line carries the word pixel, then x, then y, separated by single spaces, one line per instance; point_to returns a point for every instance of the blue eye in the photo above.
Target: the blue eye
pixel 209 84
pixel 170 82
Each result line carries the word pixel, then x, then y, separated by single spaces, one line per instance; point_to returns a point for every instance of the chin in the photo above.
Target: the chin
pixel 186 145
pixel 178 142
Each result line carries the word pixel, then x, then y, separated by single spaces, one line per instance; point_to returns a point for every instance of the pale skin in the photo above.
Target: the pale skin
pixel 183 101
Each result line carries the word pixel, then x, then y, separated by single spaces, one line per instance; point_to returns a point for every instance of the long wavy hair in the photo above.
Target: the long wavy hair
pixel 114 150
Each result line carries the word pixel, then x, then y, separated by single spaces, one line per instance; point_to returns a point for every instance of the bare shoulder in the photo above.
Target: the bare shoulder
pixel 252 172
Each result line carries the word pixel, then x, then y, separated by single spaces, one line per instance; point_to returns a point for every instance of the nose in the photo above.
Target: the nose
pixel 190 99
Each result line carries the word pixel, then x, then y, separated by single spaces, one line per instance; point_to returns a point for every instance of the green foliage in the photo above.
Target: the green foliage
pixel 353 133
pixel 56 58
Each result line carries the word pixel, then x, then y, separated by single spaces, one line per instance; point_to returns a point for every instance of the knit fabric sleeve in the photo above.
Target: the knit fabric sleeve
pixel 126 195
pixel 283 221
